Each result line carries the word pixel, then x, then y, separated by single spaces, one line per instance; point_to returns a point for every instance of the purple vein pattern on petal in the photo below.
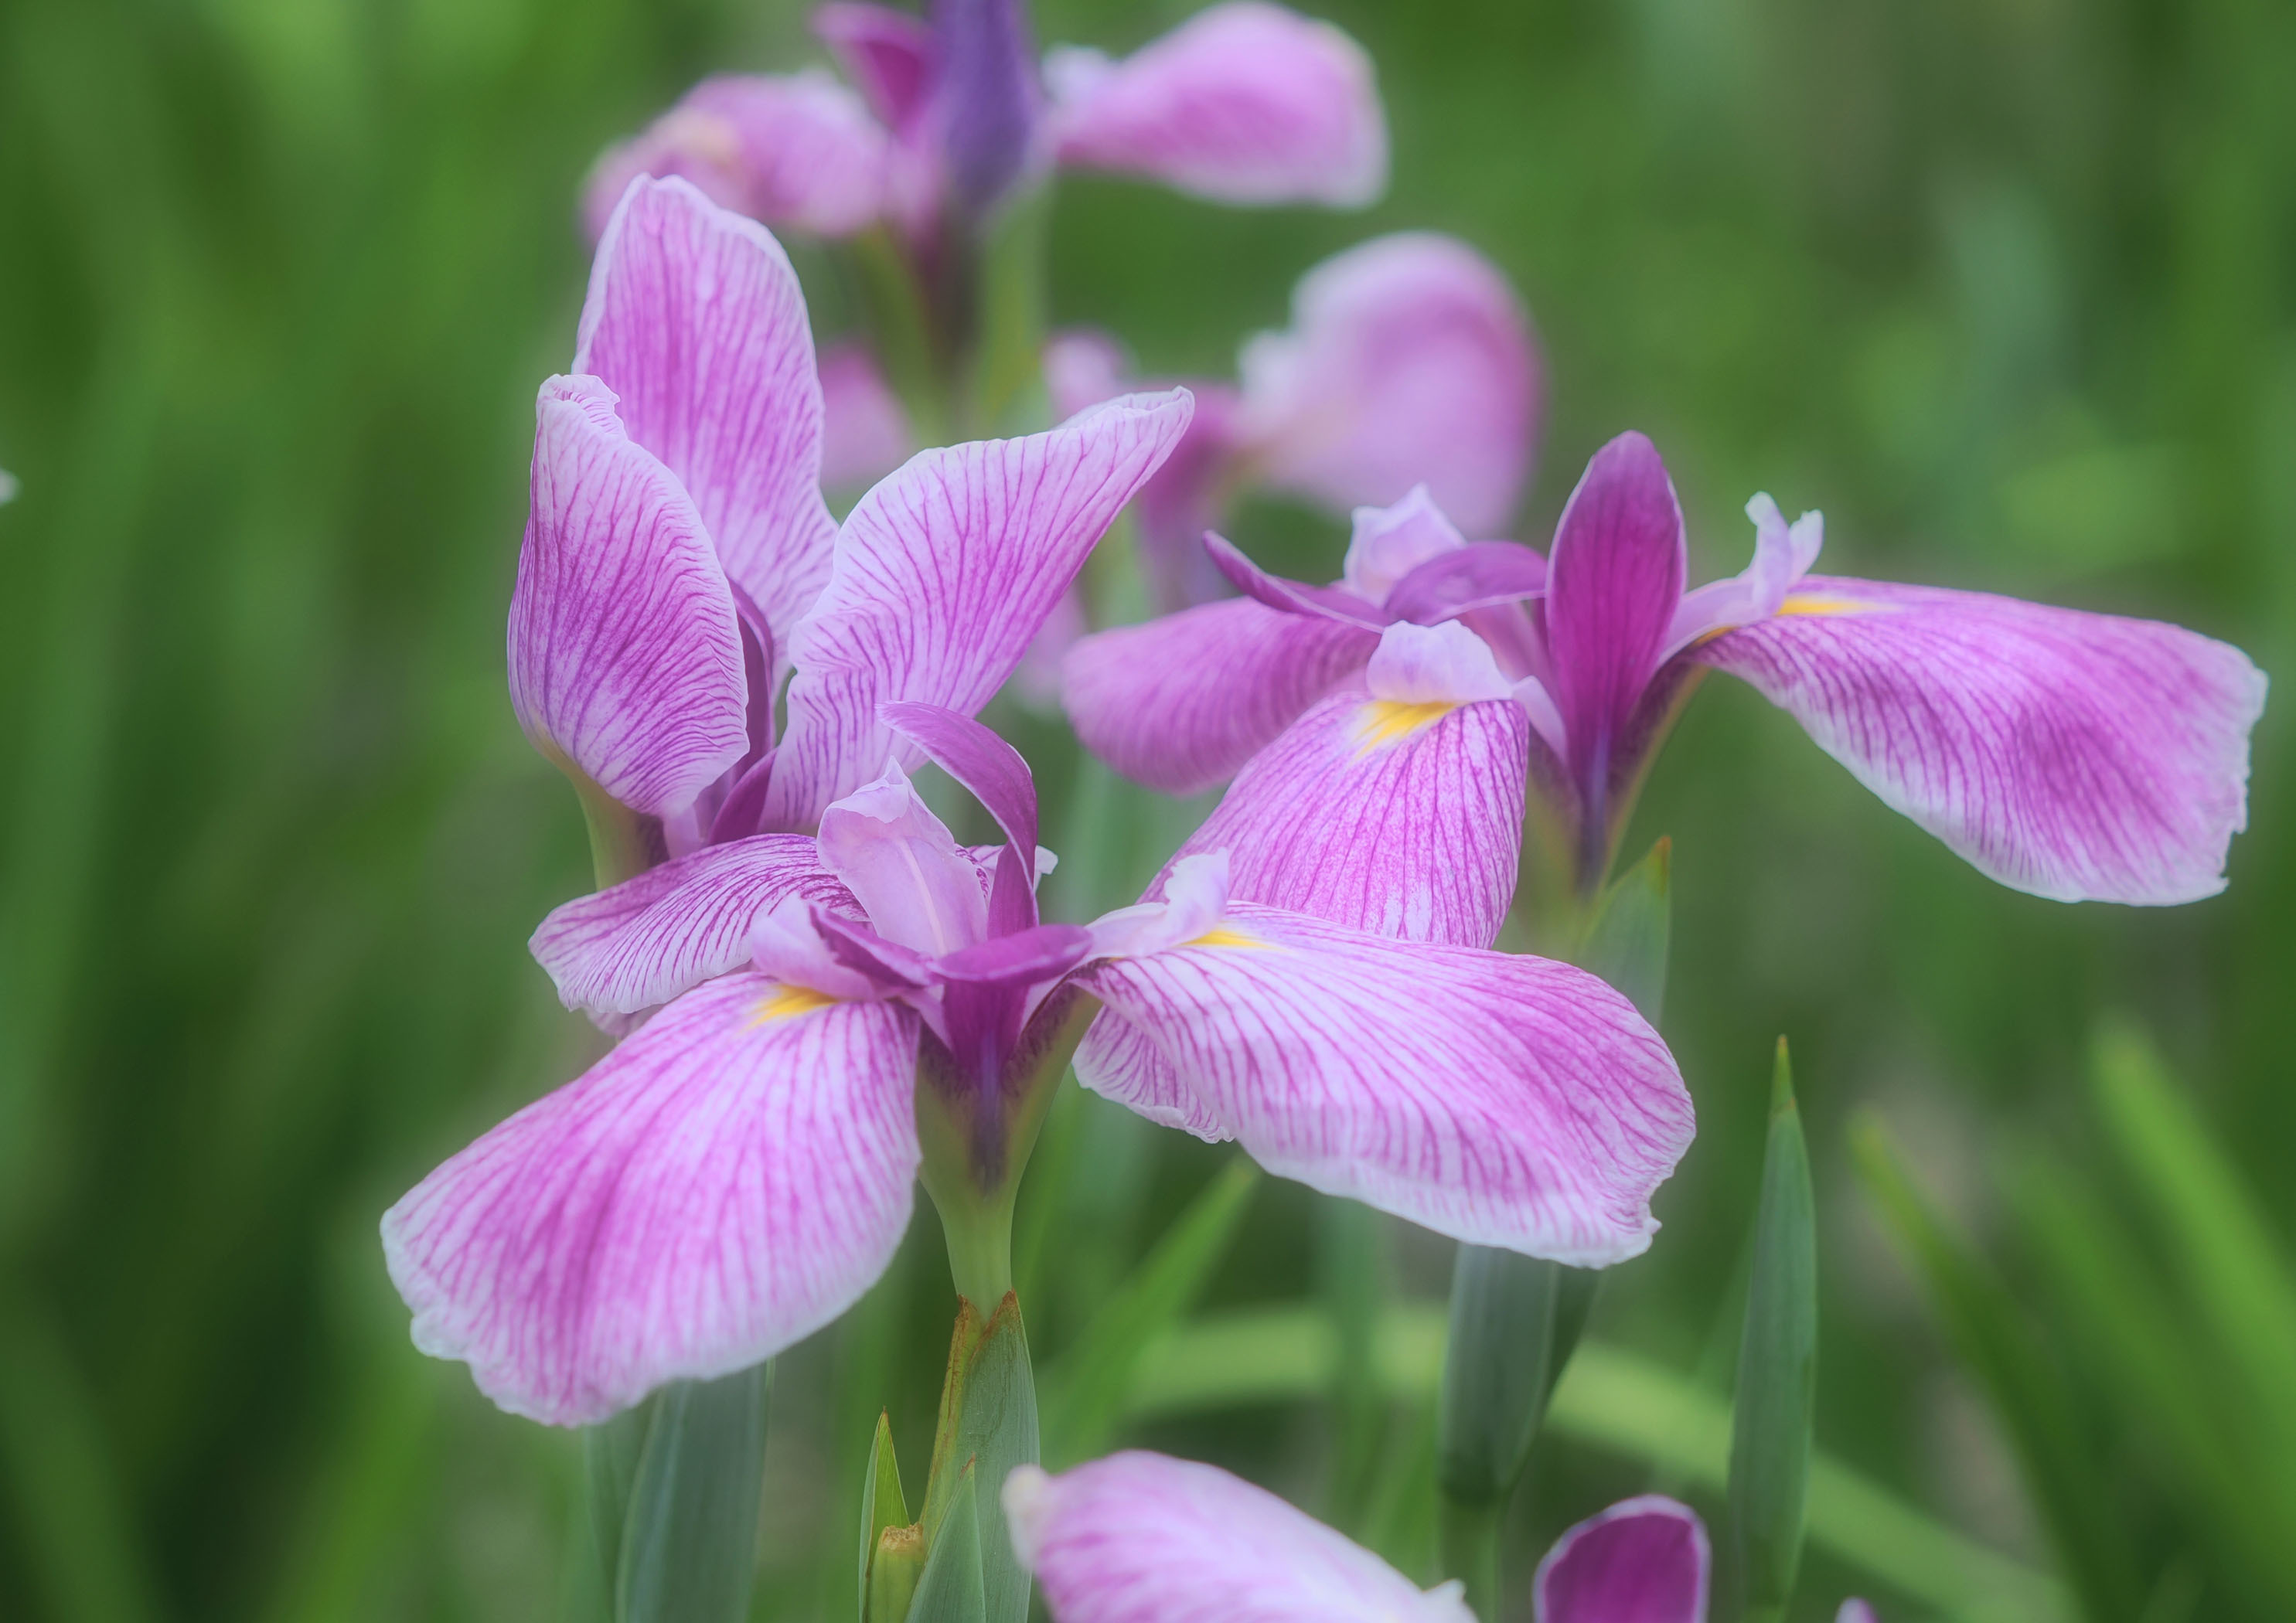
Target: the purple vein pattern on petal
pixel 1642 1561
pixel 1502 1100
pixel 624 652
pixel 647 940
pixel 943 575
pixel 1409 360
pixel 728 1180
pixel 2073 756
pixel 1244 102
pixel 1142 1538
pixel 1403 820
pixel 695 319
pixel 1180 703
pixel 1612 583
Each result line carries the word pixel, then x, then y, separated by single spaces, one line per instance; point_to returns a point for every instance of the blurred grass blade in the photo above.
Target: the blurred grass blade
pixel 1085 1391
pixel 1352 1268
pixel 2228 1261
pixel 953 1589
pixel 2140 1346
pixel 689 1548
pixel 1615 1400
pixel 1626 944
pixel 1777 1369
pixel 58 1469
pixel 2027 1394
pixel 881 1505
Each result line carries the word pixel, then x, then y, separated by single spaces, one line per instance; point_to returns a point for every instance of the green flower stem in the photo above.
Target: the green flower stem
pixel 1470 1534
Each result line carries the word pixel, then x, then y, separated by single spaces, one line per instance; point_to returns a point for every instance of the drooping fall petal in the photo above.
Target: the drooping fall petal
pixel 696 321
pixel 943 575
pixel 1408 361
pixel 647 940
pixel 731 1177
pixel 2074 756
pixel 1642 1561
pixel 624 652
pixel 1141 1537
pixel 796 151
pixel 1244 102
pixel 1181 703
pixel 1502 1100
pixel 1397 810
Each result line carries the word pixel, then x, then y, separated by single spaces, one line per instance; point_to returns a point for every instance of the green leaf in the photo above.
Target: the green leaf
pixel 1085 1391
pixel 1777 1368
pixel 881 1505
pixel 954 1587
pixel 988 1426
pixel 1627 943
pixel 1498 1367
pixel 689 1541
pixel 2027 1392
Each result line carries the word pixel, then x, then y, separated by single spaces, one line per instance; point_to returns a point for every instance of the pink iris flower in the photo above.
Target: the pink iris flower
pixel 2071 754
pixel 1141 1537
pixel 1245 103
pixel 1409 361
pixel 739 1170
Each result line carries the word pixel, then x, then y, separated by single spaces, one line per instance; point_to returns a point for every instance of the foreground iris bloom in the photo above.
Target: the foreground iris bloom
pixel 739 1171
pixel 1245 103
pixel 826 993
pixel 2070 755
pixel 1145 1538
pixel 1409 361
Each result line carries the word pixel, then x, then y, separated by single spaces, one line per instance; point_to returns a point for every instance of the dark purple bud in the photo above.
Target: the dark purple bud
pixel 989 97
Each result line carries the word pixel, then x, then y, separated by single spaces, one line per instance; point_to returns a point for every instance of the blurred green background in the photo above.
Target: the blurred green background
pixel 2008 289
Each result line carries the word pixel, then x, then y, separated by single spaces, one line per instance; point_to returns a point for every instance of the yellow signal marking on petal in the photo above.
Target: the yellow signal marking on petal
pixel 1820 603
pixel 1386 721
pixel 787 1003
pixel 1223 934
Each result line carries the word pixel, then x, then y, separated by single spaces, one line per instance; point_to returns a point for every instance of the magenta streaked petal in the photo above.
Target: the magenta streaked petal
pixel 1408 361
pixel 1501 1100
pixel 695 319
pixel 1388 542
pixel 888 54
pixel 864 428
pixel 728 1180
pixel 1142 1537
pixel 1480 575
pixel 797 151
pixel 2074 756
pixel 1399 817
pixel 1291 596
pixel 1244 102
pixel 1614 582
pixel 916 885
pixel 943 575
pixel 646 940
pixel 1180 703
pixel 1122 1064
pixel 990 769
pixel 1642 1561
pixel 625 650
